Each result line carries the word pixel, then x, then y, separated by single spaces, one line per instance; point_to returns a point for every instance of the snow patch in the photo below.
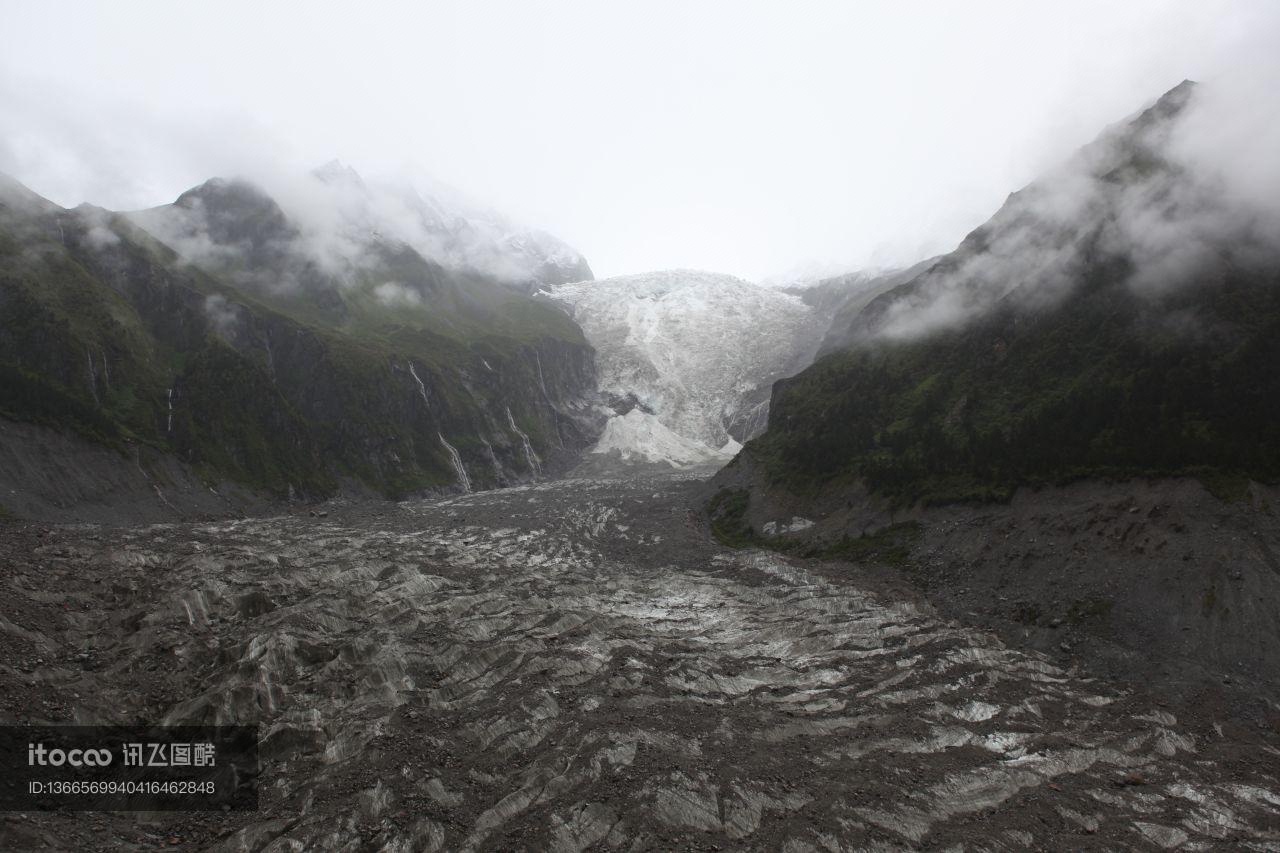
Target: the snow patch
pixel 777 528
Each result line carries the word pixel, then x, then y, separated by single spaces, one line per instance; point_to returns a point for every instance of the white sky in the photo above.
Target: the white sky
pixel 749 138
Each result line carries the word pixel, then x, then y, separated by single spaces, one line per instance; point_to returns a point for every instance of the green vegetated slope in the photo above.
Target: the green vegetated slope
pixel 254 363
pixel 1072 350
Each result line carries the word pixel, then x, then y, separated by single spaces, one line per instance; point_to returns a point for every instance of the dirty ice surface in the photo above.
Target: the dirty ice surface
pixel 574 666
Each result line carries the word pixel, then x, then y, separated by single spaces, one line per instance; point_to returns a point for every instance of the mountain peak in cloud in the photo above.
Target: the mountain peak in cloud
pixel 337 173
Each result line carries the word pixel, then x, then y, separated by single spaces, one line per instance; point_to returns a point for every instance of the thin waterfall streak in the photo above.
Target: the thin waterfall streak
pixel 422 389
pixel 535 464
pixel 93 376
pixel 458 469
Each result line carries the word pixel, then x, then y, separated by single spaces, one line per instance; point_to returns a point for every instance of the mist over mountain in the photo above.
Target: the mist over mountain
pixel 1116 317
pixel 1166 197
pixel 262 351
pixel 323 228
pixel 841 298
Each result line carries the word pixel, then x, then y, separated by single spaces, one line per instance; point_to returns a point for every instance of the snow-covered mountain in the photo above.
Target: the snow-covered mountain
pixel 686 359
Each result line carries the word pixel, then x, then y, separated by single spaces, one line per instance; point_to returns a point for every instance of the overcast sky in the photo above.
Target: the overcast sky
pixel 749 138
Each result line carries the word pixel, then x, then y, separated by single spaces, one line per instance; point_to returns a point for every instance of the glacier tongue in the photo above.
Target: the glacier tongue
pixel 641 437
pixel 692 355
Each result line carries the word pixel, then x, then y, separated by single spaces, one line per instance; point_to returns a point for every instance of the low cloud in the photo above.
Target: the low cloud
pixel 99 233
pixel 334 228
pixel 222 315
pixel 1166 199
pixel 343 217
pixel 394 295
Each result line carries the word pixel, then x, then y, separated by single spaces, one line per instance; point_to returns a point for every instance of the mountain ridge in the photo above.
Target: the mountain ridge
pixel 116 336
pixel 1045 348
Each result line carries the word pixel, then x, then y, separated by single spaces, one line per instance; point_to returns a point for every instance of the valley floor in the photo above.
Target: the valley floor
pixel 575 666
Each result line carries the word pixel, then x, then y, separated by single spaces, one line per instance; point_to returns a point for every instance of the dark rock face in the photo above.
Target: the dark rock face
pixel 58 476
pixel 239 214
pixel 405 378
pixel 623 403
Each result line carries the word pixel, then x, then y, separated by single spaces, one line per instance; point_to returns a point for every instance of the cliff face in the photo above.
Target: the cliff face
pixel 255 363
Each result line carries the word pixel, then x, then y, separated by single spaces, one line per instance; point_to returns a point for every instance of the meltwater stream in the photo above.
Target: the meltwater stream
pixel 573 666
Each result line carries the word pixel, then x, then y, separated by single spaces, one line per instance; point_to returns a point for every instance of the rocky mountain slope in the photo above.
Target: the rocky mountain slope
pixel 238 346
pixel 1094 326
pixel 686 359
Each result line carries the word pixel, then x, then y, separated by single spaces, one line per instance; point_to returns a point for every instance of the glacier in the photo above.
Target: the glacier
pixel 686 359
